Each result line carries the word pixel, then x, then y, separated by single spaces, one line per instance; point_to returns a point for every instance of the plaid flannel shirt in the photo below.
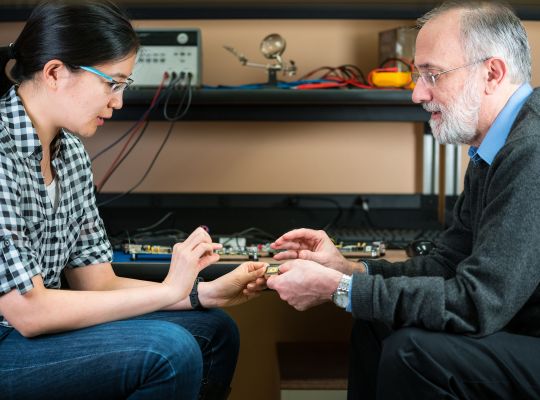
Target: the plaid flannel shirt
pixel 35 238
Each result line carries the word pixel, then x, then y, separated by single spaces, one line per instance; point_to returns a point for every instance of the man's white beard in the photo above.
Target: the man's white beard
pixel 458 120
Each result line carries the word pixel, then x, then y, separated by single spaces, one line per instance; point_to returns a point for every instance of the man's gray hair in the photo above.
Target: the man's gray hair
pixel 490 29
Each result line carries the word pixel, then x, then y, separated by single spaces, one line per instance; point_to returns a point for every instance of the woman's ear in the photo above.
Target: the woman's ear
pixel 53 73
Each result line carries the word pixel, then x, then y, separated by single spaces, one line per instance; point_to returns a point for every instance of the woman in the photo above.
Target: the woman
pixel 107 337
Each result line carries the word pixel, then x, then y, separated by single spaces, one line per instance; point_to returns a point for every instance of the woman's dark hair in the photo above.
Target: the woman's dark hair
pixel 75 32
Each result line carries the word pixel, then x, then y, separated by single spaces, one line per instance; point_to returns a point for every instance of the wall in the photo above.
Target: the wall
pixel 275 156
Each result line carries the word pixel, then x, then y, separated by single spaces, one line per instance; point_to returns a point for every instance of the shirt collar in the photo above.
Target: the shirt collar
pixel 499 131
pixel 21 129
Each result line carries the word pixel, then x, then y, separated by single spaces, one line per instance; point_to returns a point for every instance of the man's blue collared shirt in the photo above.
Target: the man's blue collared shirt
pixel 498 132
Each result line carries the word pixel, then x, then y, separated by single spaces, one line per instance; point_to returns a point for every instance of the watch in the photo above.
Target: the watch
pixel 341 296
pixel 194 295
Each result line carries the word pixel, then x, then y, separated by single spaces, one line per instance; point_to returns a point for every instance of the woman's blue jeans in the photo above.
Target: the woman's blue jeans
pixel 162 355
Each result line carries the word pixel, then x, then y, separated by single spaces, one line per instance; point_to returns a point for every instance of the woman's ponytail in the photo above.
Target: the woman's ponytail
pixel 7 53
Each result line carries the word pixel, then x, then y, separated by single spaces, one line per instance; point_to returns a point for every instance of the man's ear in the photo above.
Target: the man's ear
pixel 497 71
pixel 53 72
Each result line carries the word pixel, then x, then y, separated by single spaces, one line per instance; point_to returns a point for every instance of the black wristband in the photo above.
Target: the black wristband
pixel 194 295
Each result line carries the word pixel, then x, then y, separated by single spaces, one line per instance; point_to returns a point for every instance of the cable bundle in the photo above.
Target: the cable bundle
pixel 181 84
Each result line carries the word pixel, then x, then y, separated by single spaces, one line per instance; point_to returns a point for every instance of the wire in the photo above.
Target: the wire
pixel 144 116
pixel 168 134
pixel 342 75
pixel 120 156
pixel 328 200
pixel 145 174
pixel 115 166
pixel 186 91
pixel 237 235
pixel 156 224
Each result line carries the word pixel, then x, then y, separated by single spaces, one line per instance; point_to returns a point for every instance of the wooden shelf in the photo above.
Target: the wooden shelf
pixel 284 105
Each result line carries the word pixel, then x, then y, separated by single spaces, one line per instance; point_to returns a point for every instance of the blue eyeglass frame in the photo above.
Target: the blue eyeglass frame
pixel 115 85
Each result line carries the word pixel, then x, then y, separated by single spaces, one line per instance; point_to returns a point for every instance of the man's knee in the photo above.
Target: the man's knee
pixel 415 351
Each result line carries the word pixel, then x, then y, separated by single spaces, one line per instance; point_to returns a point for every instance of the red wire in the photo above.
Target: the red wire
pixel 137 127
pixel 344 75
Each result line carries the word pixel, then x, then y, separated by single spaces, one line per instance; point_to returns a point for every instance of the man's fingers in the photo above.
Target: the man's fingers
pixel 292 235
pixel 271 282
pixel 284 267
pixel 308 255
pixel 303 233
pixel 287 245
pixel 286 255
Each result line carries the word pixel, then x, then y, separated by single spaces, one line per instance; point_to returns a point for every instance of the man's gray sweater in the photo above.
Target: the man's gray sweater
pixel 484 274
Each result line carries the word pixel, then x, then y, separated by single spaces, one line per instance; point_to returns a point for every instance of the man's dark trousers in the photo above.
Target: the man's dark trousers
pixel 412 363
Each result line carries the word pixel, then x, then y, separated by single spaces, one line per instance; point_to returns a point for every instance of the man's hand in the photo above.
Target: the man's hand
pixel 304 284
pixel 308 244
pixel 236 287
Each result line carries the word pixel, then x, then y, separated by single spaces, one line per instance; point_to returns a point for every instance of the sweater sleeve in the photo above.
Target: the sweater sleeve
pixel 452 247
pixel 493 282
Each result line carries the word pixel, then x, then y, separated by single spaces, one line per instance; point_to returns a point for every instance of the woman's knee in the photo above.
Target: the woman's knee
pixel 224 330
pixel 173 348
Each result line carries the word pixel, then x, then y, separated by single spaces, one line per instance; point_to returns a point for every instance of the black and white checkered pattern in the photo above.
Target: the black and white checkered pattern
pixel 34 238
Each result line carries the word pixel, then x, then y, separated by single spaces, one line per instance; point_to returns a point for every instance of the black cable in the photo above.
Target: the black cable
pixel 170 231
pixel 144 116
pixel 178 116
pixel 155 224
pixel 358 71
pixel 125 155
pixel 328 200
pixel 110 146
pixel 145 174
pixel 157 154
pixel 186 91
pixel 235 236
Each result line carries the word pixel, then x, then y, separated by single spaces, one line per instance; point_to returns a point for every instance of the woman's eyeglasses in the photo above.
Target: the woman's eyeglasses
pixel 116 87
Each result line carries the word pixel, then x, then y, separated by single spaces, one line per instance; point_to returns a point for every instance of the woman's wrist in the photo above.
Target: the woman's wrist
pixel 205 295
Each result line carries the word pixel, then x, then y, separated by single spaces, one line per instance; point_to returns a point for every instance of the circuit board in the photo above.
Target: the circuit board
pixel 252 252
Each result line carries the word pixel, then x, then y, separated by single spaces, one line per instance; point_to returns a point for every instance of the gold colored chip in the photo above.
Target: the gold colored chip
pixel 271 270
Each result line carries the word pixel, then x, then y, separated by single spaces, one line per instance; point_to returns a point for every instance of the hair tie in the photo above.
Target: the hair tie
pixel 11 52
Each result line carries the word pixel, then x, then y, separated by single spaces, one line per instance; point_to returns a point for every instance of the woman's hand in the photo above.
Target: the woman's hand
pixel 232 288
pixel 188 259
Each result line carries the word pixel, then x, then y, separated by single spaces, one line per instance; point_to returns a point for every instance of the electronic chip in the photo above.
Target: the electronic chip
pixel 271 270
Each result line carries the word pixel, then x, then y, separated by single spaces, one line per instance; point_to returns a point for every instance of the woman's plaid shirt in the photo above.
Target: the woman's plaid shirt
pixel 34 238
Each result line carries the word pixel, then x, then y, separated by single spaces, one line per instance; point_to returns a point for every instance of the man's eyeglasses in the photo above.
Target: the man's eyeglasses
pixel 116 87
pixel 430 79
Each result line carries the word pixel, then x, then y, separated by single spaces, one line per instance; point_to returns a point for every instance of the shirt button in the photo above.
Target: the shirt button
pixel 6 242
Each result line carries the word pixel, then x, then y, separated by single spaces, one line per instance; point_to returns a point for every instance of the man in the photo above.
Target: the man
pixel 462 322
